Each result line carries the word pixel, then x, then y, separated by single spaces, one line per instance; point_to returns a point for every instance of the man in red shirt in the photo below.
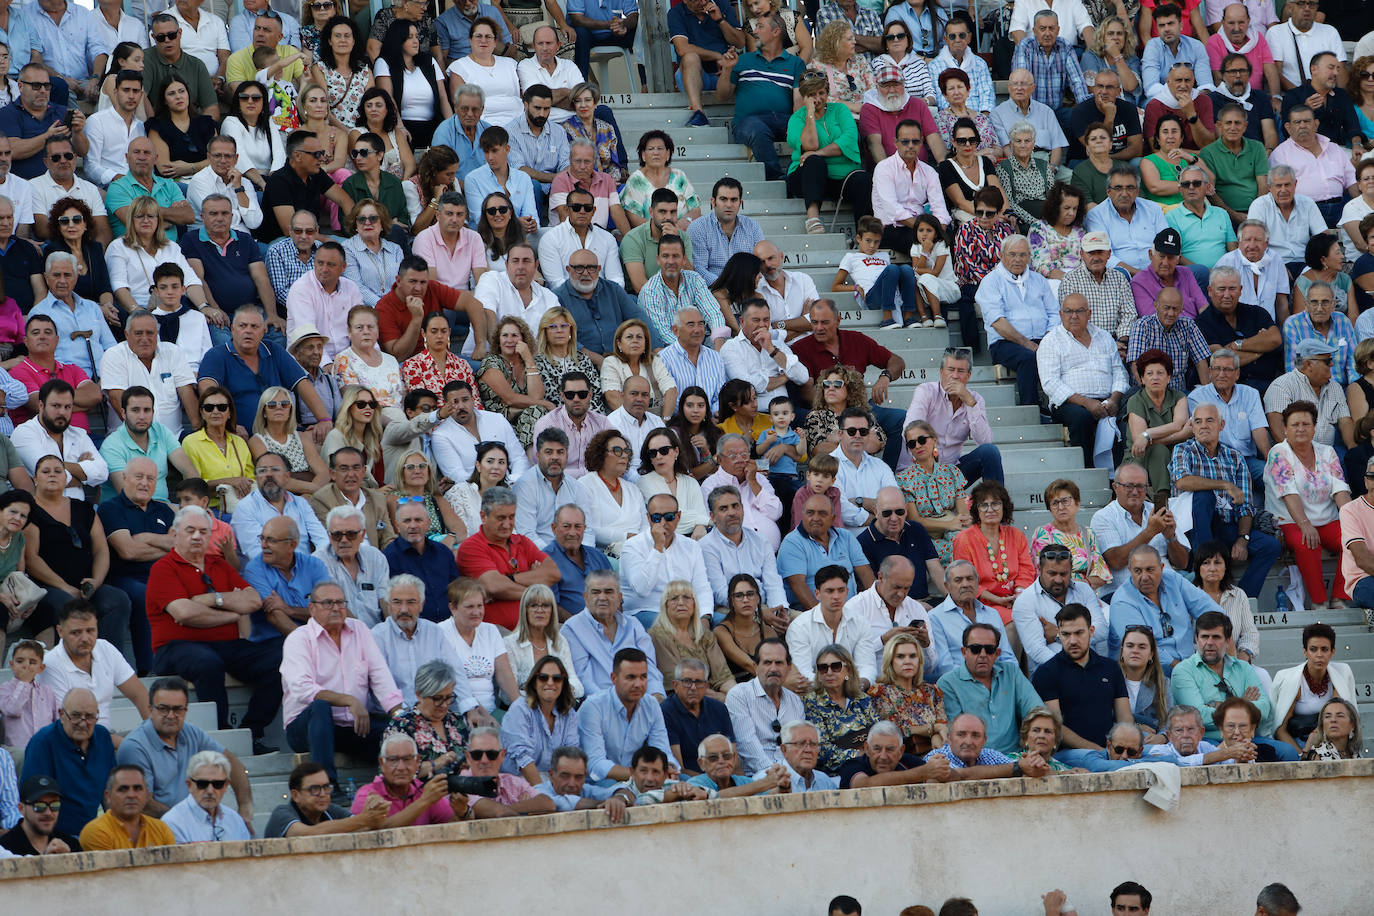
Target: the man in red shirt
pixel 504 563
pixel 199 610
pixel 828 347
pixel 41 365
pixel 401 312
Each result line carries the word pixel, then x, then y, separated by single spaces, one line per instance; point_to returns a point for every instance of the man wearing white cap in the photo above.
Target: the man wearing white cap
pixel 306 345
pixel 887 106
pixel 1108 291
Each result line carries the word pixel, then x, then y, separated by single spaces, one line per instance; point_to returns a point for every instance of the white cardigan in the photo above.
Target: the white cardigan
pixel 521 657
pixel 1287 687
pixel 609 521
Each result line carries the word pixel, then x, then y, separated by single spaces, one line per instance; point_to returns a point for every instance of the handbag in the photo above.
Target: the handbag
pixel 26 594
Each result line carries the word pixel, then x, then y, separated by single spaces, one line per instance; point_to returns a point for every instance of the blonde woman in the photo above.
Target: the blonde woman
pixel 274 430
pixel 903 697
pixel 677 633
pixel 133 257
pixel 556 354
pixel 415 482
pixel 363 363
pixel 796 38
pixel 1114 48
pixel 536 636
pixel 358 425
pixel 847 71
pixel 631 354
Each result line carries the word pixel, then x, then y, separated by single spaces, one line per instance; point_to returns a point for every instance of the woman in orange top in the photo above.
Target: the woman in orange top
pixel 996 548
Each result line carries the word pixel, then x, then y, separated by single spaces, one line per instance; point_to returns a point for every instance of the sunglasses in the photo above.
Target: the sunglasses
pixel 577 394
pixel 365 405
pixel 484 754
pixel 345 535
pixel 856 431
pixel 403 500
pixel 1367 75
pixel 549 678
pixel 369 219
pixel 965 141
pixel 986 214
pixel 893 36
pixel 1190 184
pixel 497 211
pixel 207 783
pixel 76 219
pixel 978 648
pixel 919 440
pixel 166 36
pixel 319 154
pixel 888 513
pixel 657 517
pixel 273 405
pixel 361 152
pixel 41 807
pixel 833 383
pixel 250 96
pixel 1055 553
pixel 217 407
pixel 60 157
pixel 829 667
pixel 36 86
pixel 582 208
pixel 663 451
pixel 1122 751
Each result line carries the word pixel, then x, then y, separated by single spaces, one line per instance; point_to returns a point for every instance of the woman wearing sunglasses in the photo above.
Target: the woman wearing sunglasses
pixel 219 454
pixel 433 723
pixel 935 491
pixel 359 426
pixel 903 697
pixel 796 37
pixel 415 482
pixel 966 171
pixel 1063 499
pixel 378 114
pixel 997 548
pixel 261 148
pixel 840 710
pixel 678 632
pixel 837 388
pixel 72 230
pixel 1146 682
pixel 923 20
pixel 545 717
pixel 274 430
pixel 898 52
pixel 662 469
pixel 615 513
pixel 373 260
pixel 499 229
pixel 370 181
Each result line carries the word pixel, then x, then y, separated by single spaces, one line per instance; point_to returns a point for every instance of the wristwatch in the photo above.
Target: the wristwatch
pixel 219 600
pixel 1193 119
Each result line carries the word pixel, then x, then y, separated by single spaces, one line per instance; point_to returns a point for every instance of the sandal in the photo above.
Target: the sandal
pixel 814 226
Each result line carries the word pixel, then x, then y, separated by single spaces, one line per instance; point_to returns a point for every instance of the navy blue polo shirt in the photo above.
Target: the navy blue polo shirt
pixel 435 567
pixel 703 32
pixel 914 544
pixel 1250 320
pixel 82 776
pixel 225 367
pixel 1086 693
pixel 19 262
pixel 120 514
pixel 226 274
pixel 686 730
pixel 861 765
pixel 17 124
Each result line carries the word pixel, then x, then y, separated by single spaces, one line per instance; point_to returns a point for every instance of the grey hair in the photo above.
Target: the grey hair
pixel 470 89
pixel 137 313
pixel 1045 14
pixel 1223 353
pixel 1225 270
pixel 1196 167
pixel 3 198
pixel 497 496
pixel 701 745
pixel 191 511
pixel 339 513
pixel 720 493
pixel 1247 224
pixel 956 563
pixel 677 316
pixel 972 715
pixel 892 562
pixel 1283 171
pixel 581 142
pixel 1277 900
pixel 728 438
pixel 1145 549
pixel 1320 284
pixel 216 196
pixel 567 751
pixel 600 575
pixel 1025 127
pixel 57 257
pixel 394 737
pixel 1178 712
pixel 695 664
pixel 884 727
pixel 403 580
pixel 1125 726
pixel 790 729
pixel 1014 239
pixel 485 730
pixel 573 506
pixel 432 676
pixel 208 759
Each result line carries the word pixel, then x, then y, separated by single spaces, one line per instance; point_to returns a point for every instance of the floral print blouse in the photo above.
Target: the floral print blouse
pixel 432 744
pixel 987 134
pixel 345 93
pixel 923 705
pixel 420 371
pixel 937 493
pixel 1024 183
pixel 1052 251
pixel 842 730
pixel 634 197
pixel 607 145
pixel 553 368
pixel 384 380
pixel 1087 558
pixel 848 84
pixel 1286 475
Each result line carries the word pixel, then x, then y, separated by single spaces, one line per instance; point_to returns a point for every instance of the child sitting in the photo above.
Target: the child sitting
pixel 821 471
pixel 935 283
pixel 26 704
pixel 281 93
pixel 876 282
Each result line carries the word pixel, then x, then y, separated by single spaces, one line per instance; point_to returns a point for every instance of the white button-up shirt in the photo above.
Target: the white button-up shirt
pixel 634 431
pixel 1068 368
pixel 745 361
pixel 456 449
pixel 121 369
pixel 405 654
pixel 190 823
pixel 1113 527
pixel 536 504
pixel 645 571
pixel 498 295
pixel 798 291
pixel 869 605
pixel 866 480
pixel 206 182
pixel 109 137
pixel 556 245
pixel 809 634
pixel 108 671
pixel 1034 605
pixel 1288 236
pixel 32 442
pixel 20 193
pixel 752 715
pixel 203 41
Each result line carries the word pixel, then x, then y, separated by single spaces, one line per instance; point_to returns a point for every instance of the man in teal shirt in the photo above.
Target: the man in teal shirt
pixel 1210 675
pixel 1205 230
pixel 141 181
pixel 995 691
pixel 764 84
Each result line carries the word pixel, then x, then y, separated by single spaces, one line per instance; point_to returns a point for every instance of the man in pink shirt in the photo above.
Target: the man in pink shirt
pixel 322 297
pixel 41 365
pixel 411 801
pixel 455 253
pixel 1236 36
pixel 1324 169
pixel 888 105
pixel 514 795
pixel 904 187
pixel 957 415
pixel 328 667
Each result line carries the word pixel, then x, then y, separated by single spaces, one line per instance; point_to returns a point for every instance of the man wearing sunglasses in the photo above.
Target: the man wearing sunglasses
pixel 860 474
pixel 221 176
pixel 652 559
pixel 171 61
pixel 1205 231
pixel 514 796
pixel 1054 589
pixel 1125 744
pixel 579 233
pixel 32 119
pixel 199 817
pixel 989 687
pixel 40 801
pixel 298 185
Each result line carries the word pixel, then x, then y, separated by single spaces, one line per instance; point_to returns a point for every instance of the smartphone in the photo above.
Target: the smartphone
pixel 68 118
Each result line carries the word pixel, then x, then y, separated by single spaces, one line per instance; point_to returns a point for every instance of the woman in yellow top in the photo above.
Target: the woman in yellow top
pixel 221 457
pixel 739 411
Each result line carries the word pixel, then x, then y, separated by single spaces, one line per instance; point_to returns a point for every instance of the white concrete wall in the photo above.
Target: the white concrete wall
pixel 1001 843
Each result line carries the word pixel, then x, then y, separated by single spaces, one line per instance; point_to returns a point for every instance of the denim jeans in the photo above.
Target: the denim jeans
pixel 1208 525
pixel 206 663
pixel 983 462
pixel 759 132
pixel 315 731
pixel 896 279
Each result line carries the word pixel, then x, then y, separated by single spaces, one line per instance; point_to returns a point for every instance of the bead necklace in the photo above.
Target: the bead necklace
pixel 1002 574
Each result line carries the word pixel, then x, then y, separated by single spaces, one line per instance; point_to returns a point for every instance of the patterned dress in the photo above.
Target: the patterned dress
pixel 634 197
pixel 935 494
pixel 346 94
pixel 291 451
pixel 553 368
pixel 432 743
pixel 1052 251
pixel 522 418
pixel 384 380
pixel 850 83
pixel 842 729
pixel 1026 186
pixel 607 145
pixel 923 705
pixel 1087 558
pixel 420 371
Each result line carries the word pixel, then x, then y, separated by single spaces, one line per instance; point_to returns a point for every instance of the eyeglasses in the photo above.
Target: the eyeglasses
pixel 856 431
pixel 718 757
pixel 1062 502
pixel 500 210
pixel 585 268
pixel 204 784
pixel 829 667
pixel 804 745
pixel 577 394
pixel 345 535
pixel 62 157
pixel 485 753
pixel 317 791
pixel 980 648
pixel 1123 751
pixel 745 593
pixel 216 407
pixel 80 716
pixel 41 807
pixel 989 506
pixel 657 517
pixel 582 208
pixel 965 141
pixel 76 219
pixel 369 218
pixel 549 678
pixel 165 36
pixel 442 699
pixel 908 141
pixel 986 214
pixel 250 96
pixel 365 405
pixel 1122 187
pixel 888 513
pixel 919 440
pixel 330 602
pixel 163 709
pixel 1128 487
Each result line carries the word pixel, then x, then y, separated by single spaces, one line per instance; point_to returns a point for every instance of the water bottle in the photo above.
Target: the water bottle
pixel 352 787
pixel 1281 603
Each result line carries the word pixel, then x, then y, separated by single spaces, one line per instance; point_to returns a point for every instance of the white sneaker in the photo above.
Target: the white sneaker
pixel 939 322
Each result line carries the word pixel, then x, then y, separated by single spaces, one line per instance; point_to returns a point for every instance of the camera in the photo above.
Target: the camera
pixel 469 785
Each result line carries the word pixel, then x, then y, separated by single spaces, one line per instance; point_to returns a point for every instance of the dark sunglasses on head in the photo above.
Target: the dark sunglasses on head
pixel 657 517
pixel 977 648
pixel 484 754
pixel 499 210
pixel 207 783
pixel 856 430
pixel 829 667
pixel 1055 553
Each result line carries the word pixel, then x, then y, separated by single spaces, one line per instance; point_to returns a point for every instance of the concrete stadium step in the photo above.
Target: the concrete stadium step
pixel 774 226
pixel 1285 649
pixel 1027 488
pixel 688 137
pixel 1000 417
pixel 239 741
pixel 1345 617
pixel 124 716
pixel 704 174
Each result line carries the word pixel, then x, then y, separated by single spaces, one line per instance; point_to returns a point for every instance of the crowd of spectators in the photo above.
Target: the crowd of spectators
pixel 361 364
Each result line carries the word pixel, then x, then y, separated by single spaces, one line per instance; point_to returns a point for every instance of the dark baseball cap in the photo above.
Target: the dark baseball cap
pixel 1168 242
pixel 36 787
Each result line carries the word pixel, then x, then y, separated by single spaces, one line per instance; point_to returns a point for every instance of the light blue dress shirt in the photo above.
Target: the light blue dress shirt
pixel 268 580
pixel 536 502
pixel 866 480
pixel 450 134
pixel 547 152
pixel 947 625
pixel 253 511
pixel 163 766
pixel 374 274
pixel 9 791
pixel 593 653
pixel 241 30
pixel 801 554
pixel 1131 241
pixel 404 656
pixel 84 315
pixel 20 38
pixel 1029 306
pixel 1011 697
pixel 597 9
pixel 363 593
pixel 190 823
pixel 1195 684
pixel 527 738
pixel 1242 416
pixel 70 47
pixel 724 560
pixel 1183 601
pixel 481 181
pixel 610 735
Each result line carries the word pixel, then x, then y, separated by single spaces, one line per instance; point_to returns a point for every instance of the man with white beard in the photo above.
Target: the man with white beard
pixel 598 304
pixel 886 107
